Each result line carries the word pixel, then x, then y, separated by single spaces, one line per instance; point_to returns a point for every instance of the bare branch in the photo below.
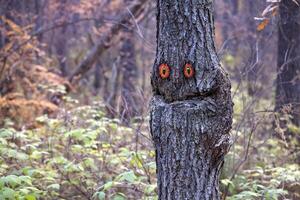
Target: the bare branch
pixel 104 41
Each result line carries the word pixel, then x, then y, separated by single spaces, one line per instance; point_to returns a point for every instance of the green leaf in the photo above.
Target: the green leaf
pixel 226 182
pixel 24 191
pixel 77 134
pixel 149 189
pixel 248 195
pixel 30 197
pixel 136 161
pixel 36 155
pixel 53 186
pixel 89 162
pixel 12 180
pixel 108 185
pixel 119 196
pixel 2 183
pixel 6 133
pixel 101 195
pixel 42 119
pixel 8 193
pixel 25 179
pixel 127 176
pixel 15 154
pixel 59 160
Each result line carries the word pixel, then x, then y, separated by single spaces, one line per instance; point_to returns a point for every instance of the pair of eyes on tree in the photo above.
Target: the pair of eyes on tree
pixel 165 70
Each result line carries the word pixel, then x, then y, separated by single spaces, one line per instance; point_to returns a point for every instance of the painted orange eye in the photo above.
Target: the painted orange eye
pixel 164 71
pixel 188 70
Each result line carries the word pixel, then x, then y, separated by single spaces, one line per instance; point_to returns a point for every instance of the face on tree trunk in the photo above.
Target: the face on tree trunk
pixel 185 37
pixel 191 111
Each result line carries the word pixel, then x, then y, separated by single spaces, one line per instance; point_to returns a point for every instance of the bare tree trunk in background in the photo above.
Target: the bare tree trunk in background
pixel 288 62
pixel 129 104
pixel 231 13
pixel 104 41
pixel 40 6
pixel 225 13
pixel 112 90
pixel 190 118
pixel 98 76
pixel 4 13
pixel 256 43
pixel 251 66
pixel 60 41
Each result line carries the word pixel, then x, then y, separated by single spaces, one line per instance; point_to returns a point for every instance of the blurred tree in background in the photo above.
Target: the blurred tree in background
pixel 74 90
pixel 288 71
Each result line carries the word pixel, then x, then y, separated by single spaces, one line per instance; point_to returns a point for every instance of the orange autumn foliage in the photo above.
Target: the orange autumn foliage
pixel 23 111
pixel 29 94
pixel 27 90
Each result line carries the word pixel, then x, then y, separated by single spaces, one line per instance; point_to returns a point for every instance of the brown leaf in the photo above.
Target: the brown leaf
pixel 263 24
pixel 13 25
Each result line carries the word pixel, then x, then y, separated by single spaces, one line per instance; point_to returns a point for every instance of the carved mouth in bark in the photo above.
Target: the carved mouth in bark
pixel 191 139
pixel 177 89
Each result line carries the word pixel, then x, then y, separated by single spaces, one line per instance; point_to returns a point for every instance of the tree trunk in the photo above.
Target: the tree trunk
pixel 288 77
pixel 112 90
pixel 252 66
pixel 129 105
pixel 61 41
pixel 98 76
pixel 104 41
pixel 190 114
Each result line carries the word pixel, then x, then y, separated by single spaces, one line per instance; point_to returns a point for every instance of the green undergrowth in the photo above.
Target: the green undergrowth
pixel 82 154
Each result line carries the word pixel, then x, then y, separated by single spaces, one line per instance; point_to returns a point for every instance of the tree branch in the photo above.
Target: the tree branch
pixel 104 41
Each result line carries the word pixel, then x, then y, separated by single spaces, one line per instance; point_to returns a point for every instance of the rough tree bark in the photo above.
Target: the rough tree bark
pixel 288 61
pixel 190 117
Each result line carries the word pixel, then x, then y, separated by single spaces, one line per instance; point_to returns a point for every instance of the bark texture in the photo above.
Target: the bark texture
pixel 190 118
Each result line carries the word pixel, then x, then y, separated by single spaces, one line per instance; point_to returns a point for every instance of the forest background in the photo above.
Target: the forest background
pixel 75 88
